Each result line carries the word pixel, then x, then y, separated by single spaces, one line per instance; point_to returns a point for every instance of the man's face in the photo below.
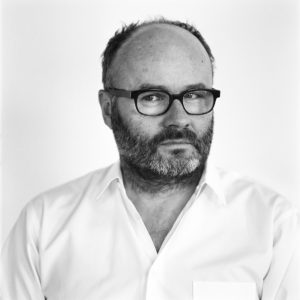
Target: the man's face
pixel 174 144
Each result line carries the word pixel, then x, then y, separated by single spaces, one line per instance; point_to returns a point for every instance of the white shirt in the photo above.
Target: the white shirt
pixel 235 239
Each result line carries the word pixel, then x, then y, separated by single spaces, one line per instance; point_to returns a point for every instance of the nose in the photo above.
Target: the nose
pixel 176 116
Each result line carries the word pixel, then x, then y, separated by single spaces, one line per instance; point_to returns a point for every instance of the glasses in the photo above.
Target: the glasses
pixel 155 102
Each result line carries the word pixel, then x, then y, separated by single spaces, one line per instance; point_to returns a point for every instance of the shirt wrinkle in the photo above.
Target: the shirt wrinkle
pixel 86 240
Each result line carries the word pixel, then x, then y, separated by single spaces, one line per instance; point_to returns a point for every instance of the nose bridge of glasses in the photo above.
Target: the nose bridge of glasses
pixel 178 97
pixel 174 97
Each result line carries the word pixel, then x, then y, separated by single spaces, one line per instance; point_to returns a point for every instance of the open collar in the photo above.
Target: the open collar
pixel 210 177
pixel 111 174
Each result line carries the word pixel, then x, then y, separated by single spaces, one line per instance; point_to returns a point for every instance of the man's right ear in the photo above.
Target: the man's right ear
pixel 105 101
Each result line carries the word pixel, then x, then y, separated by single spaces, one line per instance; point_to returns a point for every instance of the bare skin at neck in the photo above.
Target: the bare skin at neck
pixel 158 202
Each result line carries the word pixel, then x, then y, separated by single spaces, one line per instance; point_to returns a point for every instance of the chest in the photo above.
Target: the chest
pixel 159 225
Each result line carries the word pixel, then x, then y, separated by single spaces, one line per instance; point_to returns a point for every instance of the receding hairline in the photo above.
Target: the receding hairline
pixel 160 30
pixel 128 32
pixel 160 26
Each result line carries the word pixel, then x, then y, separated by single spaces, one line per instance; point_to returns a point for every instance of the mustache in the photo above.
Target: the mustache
pixel 170 133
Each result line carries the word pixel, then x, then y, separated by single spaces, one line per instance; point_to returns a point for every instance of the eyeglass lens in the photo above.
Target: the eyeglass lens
pixel 156 102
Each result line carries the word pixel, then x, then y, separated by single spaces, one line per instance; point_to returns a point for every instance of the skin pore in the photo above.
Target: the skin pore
pixel 162 157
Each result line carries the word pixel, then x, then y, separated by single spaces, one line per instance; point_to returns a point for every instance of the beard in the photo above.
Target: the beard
pixel 142 156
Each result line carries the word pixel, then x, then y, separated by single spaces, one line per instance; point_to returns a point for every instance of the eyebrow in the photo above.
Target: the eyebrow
pixel 146 86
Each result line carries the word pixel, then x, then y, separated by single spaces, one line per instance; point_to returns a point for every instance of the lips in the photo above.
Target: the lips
pixel 175 142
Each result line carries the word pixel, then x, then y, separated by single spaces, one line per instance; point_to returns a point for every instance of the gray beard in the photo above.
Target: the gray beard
pixel 147 169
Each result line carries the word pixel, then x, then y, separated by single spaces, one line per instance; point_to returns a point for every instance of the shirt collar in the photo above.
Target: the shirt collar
pixel 210 177
pixel 111 174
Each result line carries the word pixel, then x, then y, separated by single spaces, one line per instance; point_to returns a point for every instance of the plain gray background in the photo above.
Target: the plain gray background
pixel 52 128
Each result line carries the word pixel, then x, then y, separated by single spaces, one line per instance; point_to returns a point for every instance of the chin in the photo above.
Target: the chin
pixel 175 167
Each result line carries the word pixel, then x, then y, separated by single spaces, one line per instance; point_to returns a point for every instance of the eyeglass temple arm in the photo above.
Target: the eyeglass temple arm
pixel 217 93
pixel 119 93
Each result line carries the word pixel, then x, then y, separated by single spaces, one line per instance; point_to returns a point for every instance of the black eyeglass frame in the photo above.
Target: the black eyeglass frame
pixel 134 95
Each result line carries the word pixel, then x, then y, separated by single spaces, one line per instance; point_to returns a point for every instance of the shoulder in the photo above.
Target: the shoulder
pixel 243 189
pixel 72 193
pixel 47 214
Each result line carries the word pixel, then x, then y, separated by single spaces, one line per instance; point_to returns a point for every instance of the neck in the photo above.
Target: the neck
pixel 141 181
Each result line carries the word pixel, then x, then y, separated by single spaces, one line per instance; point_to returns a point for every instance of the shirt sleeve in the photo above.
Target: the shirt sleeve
pixel 282 281
pixel 20 259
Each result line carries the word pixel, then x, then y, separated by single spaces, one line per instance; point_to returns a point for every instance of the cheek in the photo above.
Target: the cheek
pixel 142 126
pixel 137 123
pixel 202 123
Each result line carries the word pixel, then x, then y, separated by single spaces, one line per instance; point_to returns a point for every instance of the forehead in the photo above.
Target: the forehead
pixel 161 54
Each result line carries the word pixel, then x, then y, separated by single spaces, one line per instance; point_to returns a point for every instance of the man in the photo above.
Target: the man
pixel 163 223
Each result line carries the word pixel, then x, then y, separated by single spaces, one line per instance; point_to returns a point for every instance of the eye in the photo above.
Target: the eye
pixel 195 95
pixel 191 96
pixel 152 97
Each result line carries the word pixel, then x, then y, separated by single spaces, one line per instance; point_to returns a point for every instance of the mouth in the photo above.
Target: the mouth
pixel 175 142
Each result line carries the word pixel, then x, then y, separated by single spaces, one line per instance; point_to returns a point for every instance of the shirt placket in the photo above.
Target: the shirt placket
pixel 138 226
pixel 154 286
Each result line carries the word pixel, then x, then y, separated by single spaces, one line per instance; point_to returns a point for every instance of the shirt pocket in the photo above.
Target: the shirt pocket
pixel 224 290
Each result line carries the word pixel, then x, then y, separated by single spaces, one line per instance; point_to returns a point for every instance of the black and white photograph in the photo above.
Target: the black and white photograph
pixel 150 150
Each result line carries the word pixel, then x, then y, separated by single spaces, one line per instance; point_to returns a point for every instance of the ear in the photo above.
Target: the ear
pixel 105 101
